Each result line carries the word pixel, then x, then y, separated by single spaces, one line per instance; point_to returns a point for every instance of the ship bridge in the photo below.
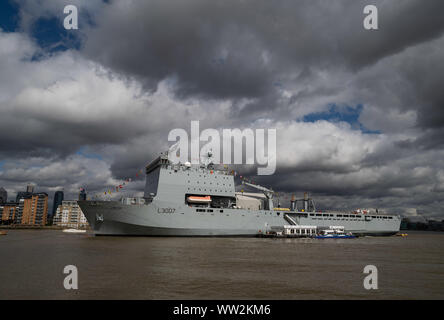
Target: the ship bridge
pixel 176 183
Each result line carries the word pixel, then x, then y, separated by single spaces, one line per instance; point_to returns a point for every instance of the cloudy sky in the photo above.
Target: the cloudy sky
pixel 359 114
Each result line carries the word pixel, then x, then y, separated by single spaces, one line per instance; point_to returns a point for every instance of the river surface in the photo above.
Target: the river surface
pixel 32 263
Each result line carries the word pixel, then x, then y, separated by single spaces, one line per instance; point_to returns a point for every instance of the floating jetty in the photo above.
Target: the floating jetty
pixel 299 231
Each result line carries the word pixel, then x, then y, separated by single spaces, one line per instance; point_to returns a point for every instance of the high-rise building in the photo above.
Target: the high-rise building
pixel 20 199
pixel 70 215
pixel 32 210
pixel 22 195
pixel 8 212
pixel 3 196
pixel 58 198
pixel 82 194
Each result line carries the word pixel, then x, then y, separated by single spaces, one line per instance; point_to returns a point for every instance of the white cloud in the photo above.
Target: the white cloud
pixel 323 145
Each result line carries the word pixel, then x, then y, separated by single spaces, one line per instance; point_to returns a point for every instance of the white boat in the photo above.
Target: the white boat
pixel 334 232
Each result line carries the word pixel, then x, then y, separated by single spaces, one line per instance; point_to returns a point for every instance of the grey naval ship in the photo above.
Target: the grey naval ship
pixel 187 199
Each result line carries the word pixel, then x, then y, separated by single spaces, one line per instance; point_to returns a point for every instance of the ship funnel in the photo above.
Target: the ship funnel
pixel 305 201
pixel 293 203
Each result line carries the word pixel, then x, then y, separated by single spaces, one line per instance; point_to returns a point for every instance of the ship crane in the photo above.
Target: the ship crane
pixel 267 192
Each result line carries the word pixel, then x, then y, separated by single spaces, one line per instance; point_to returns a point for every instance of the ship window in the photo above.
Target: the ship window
pixel 318 215
pixel 210 210
pixel 278 213
pixel 221 210
pixel 390 217
pixel 340 215
pixel 311 214
pixel 345 216
pixel 358 216
pixel 373 217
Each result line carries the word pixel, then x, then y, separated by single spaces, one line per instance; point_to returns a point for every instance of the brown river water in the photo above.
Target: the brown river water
pixel 32 262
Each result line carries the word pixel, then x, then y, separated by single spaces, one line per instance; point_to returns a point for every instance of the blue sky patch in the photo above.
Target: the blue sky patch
pixel 341 114
pixel 9 17
pixel 48 32
pixel 51 35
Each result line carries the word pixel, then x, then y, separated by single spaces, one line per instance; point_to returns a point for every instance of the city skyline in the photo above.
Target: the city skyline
pixel 32 208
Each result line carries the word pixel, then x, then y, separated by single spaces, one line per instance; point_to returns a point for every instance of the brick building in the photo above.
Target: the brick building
pixel 32 209
pixel 8 212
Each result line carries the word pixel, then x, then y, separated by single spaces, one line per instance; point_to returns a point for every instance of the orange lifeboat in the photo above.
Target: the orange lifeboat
pixel 197 199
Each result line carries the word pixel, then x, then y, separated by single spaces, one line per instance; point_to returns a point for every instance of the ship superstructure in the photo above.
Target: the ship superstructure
pixel 200 200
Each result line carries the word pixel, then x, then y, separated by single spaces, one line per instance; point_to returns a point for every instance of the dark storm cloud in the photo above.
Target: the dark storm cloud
pixel 235 49
pixel 410 81
pixel 430 139
pixel 426 77
pixel 182 40
pixel 402 24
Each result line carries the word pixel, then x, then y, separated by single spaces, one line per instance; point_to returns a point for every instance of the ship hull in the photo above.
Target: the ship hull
pixel 166 219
